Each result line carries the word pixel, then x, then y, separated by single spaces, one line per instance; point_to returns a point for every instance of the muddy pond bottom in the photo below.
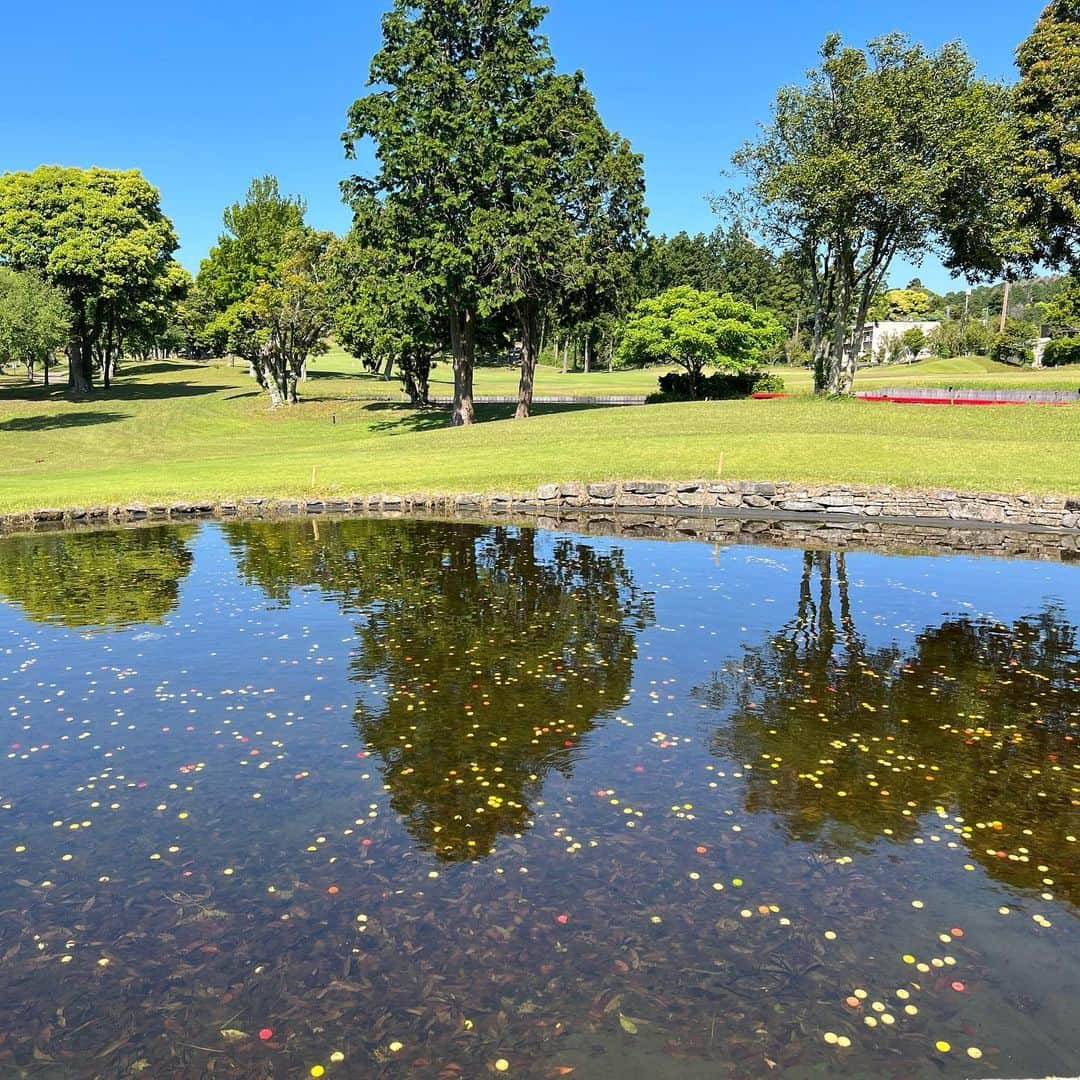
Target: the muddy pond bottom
pixel 406 798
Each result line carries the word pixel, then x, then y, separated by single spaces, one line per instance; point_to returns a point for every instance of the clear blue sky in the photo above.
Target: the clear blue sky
pixel 202 96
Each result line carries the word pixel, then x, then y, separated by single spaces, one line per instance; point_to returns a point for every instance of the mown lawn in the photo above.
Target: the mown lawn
pixel 174 431
pixel 963 371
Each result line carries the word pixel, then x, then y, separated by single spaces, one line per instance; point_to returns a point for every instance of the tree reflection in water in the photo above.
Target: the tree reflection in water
pixel 97 580
pixel 486 654
pixel 849 744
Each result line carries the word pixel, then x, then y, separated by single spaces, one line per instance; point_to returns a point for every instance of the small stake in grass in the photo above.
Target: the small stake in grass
pixel 720 467
pixel 314 471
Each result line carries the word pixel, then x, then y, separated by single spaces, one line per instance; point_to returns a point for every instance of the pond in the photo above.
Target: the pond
pixel 409 798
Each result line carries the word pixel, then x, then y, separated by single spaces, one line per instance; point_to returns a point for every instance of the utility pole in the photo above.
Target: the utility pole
pixel 1005 306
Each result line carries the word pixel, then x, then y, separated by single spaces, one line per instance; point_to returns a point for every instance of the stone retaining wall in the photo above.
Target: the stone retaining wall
pixel 690 498
pixel 830 535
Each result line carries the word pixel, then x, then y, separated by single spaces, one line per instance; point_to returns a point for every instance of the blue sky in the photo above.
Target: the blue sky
pixel 202 96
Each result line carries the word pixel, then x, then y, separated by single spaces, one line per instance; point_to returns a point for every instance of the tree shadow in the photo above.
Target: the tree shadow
pixel 58 422
pixel 404 419
pixel 124 391
pixel 119 391
pixel 24 391
pixel 161 367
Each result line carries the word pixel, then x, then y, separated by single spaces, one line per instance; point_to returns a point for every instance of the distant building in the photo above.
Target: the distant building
pixel 877 336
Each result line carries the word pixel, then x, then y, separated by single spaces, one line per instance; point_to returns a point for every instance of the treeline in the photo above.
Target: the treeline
pixel 503 217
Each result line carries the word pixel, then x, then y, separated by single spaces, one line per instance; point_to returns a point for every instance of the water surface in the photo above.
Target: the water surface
pixel 409 798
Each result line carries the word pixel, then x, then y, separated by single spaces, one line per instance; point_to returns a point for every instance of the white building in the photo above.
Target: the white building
pixel 878 336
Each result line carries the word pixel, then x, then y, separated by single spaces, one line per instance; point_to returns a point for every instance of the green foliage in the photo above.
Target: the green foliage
pixel 913 341
pixel 1048 107
pixel 1062 311
pixel 266 284
pixel 1061 351
pixel 677 386
pixel 1031 298
pixel 905 305
pixel 97 580
pixel 385 312
pixel 725 261
pixel 496 173
pixel 259 235
pixel 34 320
pixel 696 329
pixel 881 153
pixel 1016 344
pixel 97 235
pixel 959 339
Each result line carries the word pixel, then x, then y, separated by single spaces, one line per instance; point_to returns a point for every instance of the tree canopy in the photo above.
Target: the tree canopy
pixel 883 152
pixel 34 321
pixel 696 329
pixel 266 286
pixel 97 235
pixel 497 174
pixel 1048 107
pixel 385 310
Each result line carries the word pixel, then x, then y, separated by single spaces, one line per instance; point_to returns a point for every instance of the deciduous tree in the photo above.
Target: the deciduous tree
pixel 697 329
pixel 34 321
pixel 98 235
pixel 883 152
pixel 270 287
pixel 385 305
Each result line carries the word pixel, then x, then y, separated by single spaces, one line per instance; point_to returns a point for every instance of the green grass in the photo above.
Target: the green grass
pixel 961 371
pixel 174 431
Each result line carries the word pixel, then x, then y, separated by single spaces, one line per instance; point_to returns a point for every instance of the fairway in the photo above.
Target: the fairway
pixel 182 430
pixel 961 371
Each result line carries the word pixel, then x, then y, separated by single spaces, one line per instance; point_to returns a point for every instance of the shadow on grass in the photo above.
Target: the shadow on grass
pixel 119 391
pixel 140 391
pixel 161 367
pixel 404 419
pixel 60 421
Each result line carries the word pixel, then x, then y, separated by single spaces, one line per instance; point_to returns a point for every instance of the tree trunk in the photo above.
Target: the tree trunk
pixel 565 353
pixel 851 359
pixel 588 357
pixel 529 320
pixel 838 360
pixel 45 371
pixel 80 382
pixel 80 369
pixel 1005 307
pixel 388 370
pixel 463 345
pixel 694 371
pixel 276 397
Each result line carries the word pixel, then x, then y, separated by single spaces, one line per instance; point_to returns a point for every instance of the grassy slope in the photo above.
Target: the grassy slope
pixel 176 431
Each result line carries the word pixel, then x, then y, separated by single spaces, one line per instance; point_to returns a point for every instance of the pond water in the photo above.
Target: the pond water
pixel 389 798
